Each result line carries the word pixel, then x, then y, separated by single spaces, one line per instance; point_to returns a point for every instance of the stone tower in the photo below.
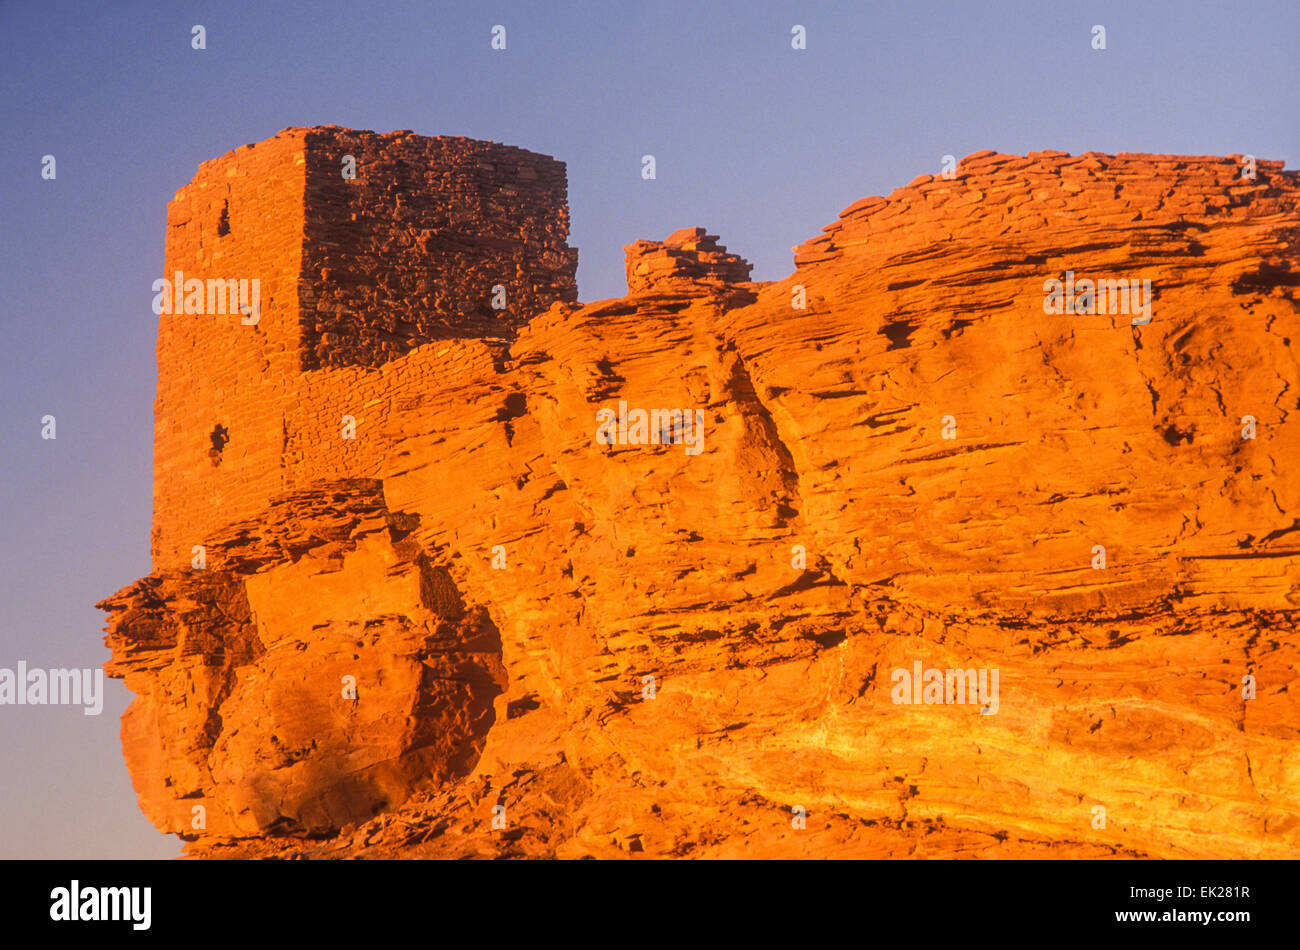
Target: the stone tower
pixel 356 248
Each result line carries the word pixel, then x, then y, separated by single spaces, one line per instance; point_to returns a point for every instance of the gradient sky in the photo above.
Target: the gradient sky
pixel 759 143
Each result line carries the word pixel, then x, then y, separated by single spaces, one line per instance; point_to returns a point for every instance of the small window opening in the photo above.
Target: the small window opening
pixel 219 436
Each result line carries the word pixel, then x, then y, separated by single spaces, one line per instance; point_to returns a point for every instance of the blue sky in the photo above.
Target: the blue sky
pixel 760 143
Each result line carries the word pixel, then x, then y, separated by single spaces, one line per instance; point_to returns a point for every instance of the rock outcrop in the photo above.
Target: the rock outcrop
pixel 688 259
pixel 648 576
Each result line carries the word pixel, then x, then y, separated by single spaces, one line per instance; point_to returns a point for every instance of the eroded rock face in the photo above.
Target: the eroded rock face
pixel 315 670
pixel 617 646
pixel 688 259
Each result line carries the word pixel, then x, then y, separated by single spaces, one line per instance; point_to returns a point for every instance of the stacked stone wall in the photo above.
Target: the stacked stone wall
pixel 364 247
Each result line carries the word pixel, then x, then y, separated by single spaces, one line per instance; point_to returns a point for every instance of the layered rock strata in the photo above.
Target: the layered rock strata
pixel 689 259
pixel 565 645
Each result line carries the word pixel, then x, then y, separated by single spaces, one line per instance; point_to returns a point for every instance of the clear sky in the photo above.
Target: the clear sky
pixel 758 142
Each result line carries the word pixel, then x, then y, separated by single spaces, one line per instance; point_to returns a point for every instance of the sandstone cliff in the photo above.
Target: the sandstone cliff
pixel 481 630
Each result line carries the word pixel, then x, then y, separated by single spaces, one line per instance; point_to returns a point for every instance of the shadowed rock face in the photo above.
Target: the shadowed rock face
pixel 314 673
pixel 633 648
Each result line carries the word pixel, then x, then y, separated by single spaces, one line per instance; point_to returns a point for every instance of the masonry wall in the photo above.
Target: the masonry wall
pixel 409 250
pixel 214 370
pixel 354 273
pixel 380 400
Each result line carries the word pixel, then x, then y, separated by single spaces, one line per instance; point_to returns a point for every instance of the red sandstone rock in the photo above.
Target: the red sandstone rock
pixel 688 259
pixel 501 584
